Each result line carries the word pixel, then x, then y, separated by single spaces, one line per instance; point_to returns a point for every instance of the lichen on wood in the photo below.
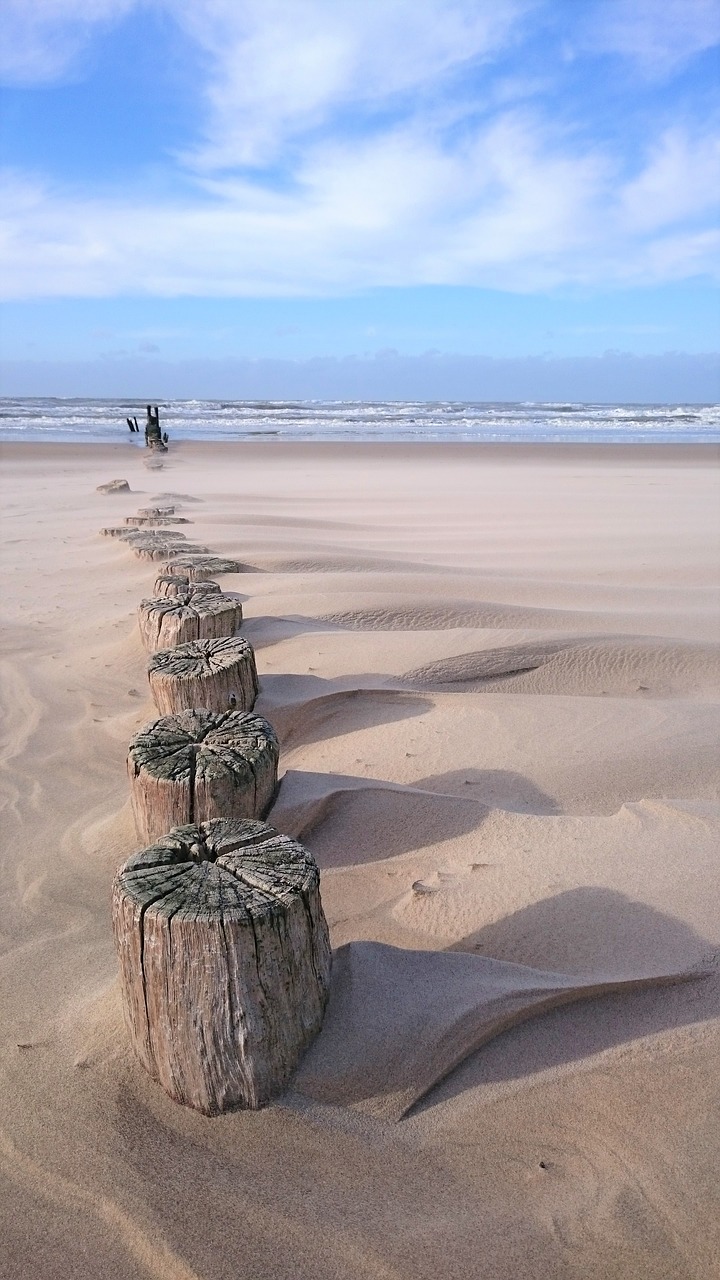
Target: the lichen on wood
pixel 166 621
pixel 216 674
pixel 224 961
pixel 200 765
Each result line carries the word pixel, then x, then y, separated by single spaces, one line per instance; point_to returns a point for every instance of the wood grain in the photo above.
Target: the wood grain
pixel 224 961
pixel 166 621
pixel 219 675
pixel 199 567
pixel 176 584
pixel 199 765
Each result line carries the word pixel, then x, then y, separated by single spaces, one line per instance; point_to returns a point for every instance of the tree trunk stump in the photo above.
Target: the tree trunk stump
pixel 219 675
pixel 224 961
pixel 173 584
pixel 199 765
pixel 172 620
pixel 114 486
pixel 197 568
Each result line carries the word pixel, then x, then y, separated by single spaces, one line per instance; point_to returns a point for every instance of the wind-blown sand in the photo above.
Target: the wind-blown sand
pixel 495 675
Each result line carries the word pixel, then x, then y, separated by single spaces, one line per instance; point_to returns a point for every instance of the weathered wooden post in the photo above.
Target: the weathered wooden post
pixel 127 534
pixel 177 584
pixel 154 545
pixel 199 567
pixel 167 621
pixel 151 522
pixel 157 511
pixel 224 961
pixel 199 765
pixel 216 674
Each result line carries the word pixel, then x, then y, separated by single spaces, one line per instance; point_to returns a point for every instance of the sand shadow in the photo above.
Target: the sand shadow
pixel 495 788
pixel 266 630
pixel 399 1022
pixel 347 820
pixel 308 708
pixel 614 934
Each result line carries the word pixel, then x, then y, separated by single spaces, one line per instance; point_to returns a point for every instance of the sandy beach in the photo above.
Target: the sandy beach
pixel 495 675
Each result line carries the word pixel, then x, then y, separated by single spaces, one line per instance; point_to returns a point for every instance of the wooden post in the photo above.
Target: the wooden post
pixel 199 765
pixel 171 620
pixel 155 546
pixel 156 511
pixel 151 522
pixel 126 534
pixel 216 674
pixel 175 584
pixel 224 961
pixel 114 486
pixel 197 568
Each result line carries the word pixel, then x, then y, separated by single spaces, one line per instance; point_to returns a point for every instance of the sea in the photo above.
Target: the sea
pixel 100 421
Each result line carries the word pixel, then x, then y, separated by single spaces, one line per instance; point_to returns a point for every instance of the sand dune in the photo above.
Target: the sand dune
pixel 495 679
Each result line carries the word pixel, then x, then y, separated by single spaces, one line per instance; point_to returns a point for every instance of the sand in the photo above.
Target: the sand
pixel 495 675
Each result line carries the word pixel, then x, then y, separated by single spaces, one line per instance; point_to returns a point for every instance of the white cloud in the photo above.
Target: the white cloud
pixel 281 67
pixel 659 35
pixel 510 208
pixel 681 180
pixel 42 38
pixel 388 177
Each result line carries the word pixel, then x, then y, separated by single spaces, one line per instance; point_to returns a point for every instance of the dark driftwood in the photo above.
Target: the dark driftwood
pixel 198 567
pixel 224 961
pixel 114 486
pixel 199 765
pixel 174 584
pixel 167 621
pixel 216 674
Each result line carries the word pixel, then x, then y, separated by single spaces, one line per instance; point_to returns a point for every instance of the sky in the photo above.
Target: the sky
pixel 258 187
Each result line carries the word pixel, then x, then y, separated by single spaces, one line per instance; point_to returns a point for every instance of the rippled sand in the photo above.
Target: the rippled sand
pixel 495 675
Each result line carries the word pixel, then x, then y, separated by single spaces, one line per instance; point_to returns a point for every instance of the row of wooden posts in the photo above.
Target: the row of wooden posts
pixel 223 945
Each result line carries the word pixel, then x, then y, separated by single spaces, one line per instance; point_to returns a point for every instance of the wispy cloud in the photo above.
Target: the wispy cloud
pixel 341 147
pixel 282 68
pixel 43 38
pixel 660 36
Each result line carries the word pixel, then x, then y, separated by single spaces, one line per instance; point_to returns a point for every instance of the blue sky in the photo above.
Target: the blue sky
pixel 244 179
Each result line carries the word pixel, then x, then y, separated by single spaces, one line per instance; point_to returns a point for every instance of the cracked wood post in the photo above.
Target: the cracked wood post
pixel 224 961
pixel 200 765
pixel 127 534
pixel 175 584
pixel 200 567
pixel 167 621
pixel 215 674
